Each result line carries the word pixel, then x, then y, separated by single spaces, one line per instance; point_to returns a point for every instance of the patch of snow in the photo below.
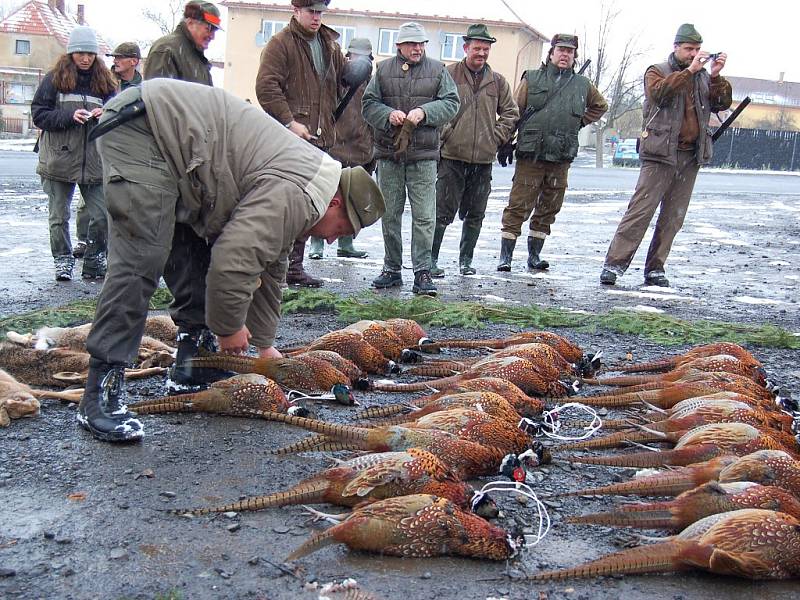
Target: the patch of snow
pixel 650 295
pixel 758 301
pixel 644 308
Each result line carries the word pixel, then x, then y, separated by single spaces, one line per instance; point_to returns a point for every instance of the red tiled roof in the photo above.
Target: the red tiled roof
pixel 37 18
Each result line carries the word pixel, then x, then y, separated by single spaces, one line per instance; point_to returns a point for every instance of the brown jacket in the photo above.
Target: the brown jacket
pixel 489 108
pixel 353 145
pixel 246 184
pixel 176 56
pixel 288 87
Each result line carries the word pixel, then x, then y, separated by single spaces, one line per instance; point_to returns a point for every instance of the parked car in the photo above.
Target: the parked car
pixel 626 154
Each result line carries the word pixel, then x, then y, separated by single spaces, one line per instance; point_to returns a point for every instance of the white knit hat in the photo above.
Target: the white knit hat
pixel 83 39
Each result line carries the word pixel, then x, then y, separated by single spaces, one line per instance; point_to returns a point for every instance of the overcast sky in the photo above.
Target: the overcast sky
pixel 761 39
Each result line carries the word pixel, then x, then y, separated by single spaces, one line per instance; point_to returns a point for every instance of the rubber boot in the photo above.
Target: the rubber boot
pixel 102 410
pixel 534 248
pixel 506 252
pixel 296 275
pixel 183 378
pixel 438 236
pixel 316 248
pixel 347 250
pixel 466 248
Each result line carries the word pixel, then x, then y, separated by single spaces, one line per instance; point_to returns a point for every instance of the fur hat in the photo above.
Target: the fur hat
pixel 83 39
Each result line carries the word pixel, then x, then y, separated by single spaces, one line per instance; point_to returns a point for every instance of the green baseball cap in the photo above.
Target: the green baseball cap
pixel 479 31
pixel 362 198
pixel 687 34
pixel 127 50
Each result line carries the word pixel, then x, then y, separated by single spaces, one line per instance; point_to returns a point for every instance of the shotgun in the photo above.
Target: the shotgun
pixel 731 118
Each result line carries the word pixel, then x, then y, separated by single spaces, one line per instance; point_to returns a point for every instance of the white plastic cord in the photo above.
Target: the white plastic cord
pixel 551 422
pixel 520 488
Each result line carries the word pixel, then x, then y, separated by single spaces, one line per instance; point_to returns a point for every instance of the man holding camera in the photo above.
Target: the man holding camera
pixel 680 96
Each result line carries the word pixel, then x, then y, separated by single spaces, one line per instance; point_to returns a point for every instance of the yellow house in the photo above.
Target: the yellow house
pixel 251 24
pixel 775 104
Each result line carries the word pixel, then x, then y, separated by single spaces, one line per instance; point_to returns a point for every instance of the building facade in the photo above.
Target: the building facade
pixel 251 24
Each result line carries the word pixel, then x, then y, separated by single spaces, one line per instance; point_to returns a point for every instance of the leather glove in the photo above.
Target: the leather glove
pixel 505 154
pixel 402 138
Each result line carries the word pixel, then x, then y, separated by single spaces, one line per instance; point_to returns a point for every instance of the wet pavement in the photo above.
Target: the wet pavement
pixel 82 519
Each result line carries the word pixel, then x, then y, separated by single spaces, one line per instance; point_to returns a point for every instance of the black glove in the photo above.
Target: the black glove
pixel 505 154
pixel 357 71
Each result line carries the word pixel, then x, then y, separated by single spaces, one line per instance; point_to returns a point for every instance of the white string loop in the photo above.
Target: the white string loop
pixel 551 423
pixel 520 488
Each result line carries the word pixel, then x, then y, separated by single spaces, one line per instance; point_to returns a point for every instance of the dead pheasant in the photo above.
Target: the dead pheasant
pixel 467 459
pixel 487 402
pixel 240 396
pixel 749 543
pixel 412 334
pixel 721 363
pixel 352 345
pixel 563 346
pixel 672 362
pixel 699 444
pixel 708 499
pixel 518 371
pixel 663 483
pixel 351 370
pixel 366 479
pixel 59 367
pixel 523 404
pixel 767 467
pixel 418 525
pixel 304 373
pixel 700 413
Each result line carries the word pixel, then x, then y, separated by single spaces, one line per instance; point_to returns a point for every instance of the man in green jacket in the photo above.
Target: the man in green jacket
pixel 409 99
pixel 180 55
pixel 558 102
pixel 199 156
pixel 126 58
pixel 484 122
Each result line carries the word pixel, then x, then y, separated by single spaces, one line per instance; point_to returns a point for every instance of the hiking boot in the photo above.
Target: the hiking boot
pixel 185 378
pixel 95 267
pixel 102 410
pixel 347 250
pixel 467 269
pixel 387 279
pixel 608 277
pixel 436 271
pixel 506 252
pixel 658 279
pixel 535 263
pixel 63 265
pixel 423 284
pixel 79 250
pixel 316 248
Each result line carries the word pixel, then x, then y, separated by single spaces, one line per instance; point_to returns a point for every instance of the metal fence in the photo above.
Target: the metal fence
pixel 15 125
pixel 758 149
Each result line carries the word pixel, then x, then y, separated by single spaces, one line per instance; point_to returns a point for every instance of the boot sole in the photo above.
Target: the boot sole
pixel 504 268
pixel 383 286
pixel 420 292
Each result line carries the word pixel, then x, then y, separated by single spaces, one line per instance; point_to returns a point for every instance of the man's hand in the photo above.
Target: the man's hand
pixel 236 343
pixel 270 352
pixel 300 130
pixel 698 61
pixel 396 117
pixel 416 116
pixel 718 64
pixel 505 154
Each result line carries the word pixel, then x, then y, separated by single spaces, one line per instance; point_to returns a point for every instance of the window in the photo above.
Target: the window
pixel 452 46
pixel 22 47
pixel 346 35
pixel 386 42
pixel 19 93
pixel 270 28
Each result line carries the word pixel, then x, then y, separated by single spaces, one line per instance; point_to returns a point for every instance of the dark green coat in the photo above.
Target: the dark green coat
pixel 176 56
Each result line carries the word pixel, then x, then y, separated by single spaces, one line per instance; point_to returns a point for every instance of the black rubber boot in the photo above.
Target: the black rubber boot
pixel 466 249
pixel 535 263
pixel 506 252
pixel 183 378
pixel 102 410
pixel 438 236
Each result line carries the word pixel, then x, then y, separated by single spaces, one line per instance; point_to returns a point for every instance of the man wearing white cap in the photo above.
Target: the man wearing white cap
pixel 407 102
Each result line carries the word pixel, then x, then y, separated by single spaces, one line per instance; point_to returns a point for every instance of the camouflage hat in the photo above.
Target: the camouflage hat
pixel 203 11
pixel 362 198
pixel 317 5
pixel 566 40
pixel 478 31
pixel 688 34
pixel 411 32
pixel 127 50
pixel 360 46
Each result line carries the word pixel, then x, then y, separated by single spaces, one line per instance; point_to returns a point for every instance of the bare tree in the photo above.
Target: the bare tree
pixel 168 17
pixel 612 73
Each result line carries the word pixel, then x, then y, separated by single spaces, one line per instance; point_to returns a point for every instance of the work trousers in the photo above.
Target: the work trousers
pixel 537 192
pixel 59 194
pixel 659 184
pixel 462 188
pixel 141 196
pixel 418 178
